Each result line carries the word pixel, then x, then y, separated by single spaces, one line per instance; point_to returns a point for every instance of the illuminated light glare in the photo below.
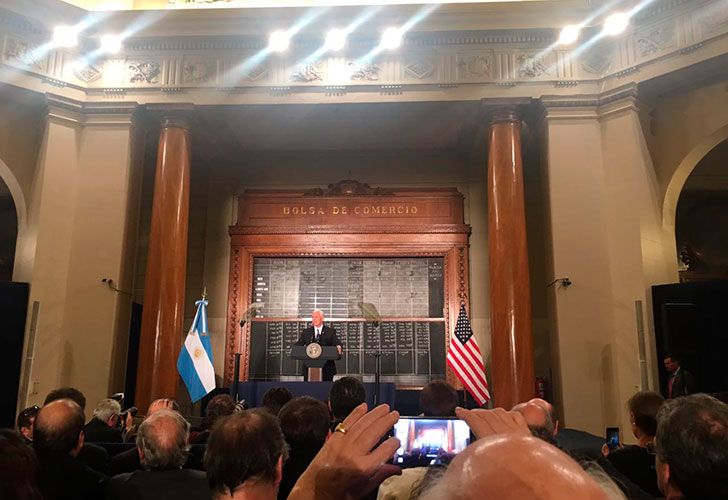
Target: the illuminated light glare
pixel 278 41
pixel 335 40
pixel 616 24
pixel 569 34
pixel 391 38
pixel 65 36
pixel 111 44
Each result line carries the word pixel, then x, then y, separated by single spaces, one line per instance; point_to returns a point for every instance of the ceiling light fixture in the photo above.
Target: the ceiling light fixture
pixel 65 36
pixel 335 40
pixel 278 41
pixel 569 34
pixel 391 38
pixel 616 24
pixel 111 44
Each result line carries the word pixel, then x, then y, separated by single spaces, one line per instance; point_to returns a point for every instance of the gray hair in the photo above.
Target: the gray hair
pixel 318 311
pixel 605 483
pixel 107 408
pixel 163 439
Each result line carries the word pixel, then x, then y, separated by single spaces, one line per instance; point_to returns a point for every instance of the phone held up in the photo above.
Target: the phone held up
pixel 612 438
pixel 429 440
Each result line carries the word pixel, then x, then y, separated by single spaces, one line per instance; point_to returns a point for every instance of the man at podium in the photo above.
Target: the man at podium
pixel 322 335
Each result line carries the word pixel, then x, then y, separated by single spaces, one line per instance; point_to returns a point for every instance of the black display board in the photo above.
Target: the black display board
pixel 411 351
pixel 288 289
pixel 292 288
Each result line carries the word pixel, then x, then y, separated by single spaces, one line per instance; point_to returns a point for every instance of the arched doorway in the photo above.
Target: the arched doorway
pixel 701 218
pixel 8 232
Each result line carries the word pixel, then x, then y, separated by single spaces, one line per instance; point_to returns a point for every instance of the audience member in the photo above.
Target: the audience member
pixel 25 421
pixel 346 394
pixel 103 426
pixel 275 398
pixel 539 420
pixel 438 399
pixel 67 393
pixel 509 463
pixel 681 381
pixel 57 439
pixel 692 448
pixel 305 425
pixel 245 455
pixel 637 462
pixel 18 468
pixel 128 461
pixel 162 445
pixel 219 406
pixel 91 454
pixel 352 462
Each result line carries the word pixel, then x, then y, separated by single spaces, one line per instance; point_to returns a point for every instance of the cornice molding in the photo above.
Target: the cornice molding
pixel 92 113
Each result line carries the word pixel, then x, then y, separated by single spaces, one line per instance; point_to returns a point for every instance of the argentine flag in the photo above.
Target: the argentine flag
pixel 195 359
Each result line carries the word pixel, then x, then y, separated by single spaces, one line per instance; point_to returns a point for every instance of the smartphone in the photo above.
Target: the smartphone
pixel 612 438
pixel 429 441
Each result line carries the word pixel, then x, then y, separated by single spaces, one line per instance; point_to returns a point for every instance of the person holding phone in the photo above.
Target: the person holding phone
pixel 637 462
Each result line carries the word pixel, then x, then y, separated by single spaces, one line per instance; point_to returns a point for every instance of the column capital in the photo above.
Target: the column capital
pixel 173 115
pixel 504 110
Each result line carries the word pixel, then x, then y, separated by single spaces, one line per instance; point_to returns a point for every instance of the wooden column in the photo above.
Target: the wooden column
pixel 510 299
pixel 164 289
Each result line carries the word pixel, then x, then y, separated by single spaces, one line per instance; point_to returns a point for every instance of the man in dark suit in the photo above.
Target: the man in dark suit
pixel 162 445
pixel 322 335
pixel 57 440
pixel 103 427
pixel 681 381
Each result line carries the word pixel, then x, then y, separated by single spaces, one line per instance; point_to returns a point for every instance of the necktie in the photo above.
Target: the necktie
pixel 669 386
pixel 318 333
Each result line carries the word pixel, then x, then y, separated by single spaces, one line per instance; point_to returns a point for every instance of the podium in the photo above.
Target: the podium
pixel 315 356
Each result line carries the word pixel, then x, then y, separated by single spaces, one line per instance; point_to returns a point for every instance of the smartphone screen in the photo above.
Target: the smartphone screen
pixel 613 438
pixel 429 441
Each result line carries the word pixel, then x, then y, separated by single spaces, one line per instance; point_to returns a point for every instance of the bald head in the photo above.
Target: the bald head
pixel 162 404
pixel 58 428
pixel 514 466
pixel 538 419
pixel 162 440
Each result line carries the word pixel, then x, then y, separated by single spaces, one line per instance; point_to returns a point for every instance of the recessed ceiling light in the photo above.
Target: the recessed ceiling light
pixel 278 41
pixel 335 40
pixel 569 34
pixel 616 23
pixel 65 36
pixel 111 44
pixel 391 38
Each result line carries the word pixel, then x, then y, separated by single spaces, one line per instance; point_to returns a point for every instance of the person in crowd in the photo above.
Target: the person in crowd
pixel 346 394
pixel 438 399
pixel 91 454
pixel 571 440
pixel 691 445
pixel 25 421
pixel 18 468
pixel 352 462
pixel 57 440
pixel 245 456
pixel 681 382
pixel 637 462
pixel 162 445
pixel 128 461
pixel 103 426
pixel 67 393
pixel 219 406
pixel 275 398
pixel 539 420
pixel 305 425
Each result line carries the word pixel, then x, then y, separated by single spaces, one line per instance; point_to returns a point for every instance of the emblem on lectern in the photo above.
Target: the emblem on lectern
pixel 313 350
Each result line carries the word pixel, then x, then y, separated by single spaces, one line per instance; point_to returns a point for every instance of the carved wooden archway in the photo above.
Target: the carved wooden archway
pixel 357 221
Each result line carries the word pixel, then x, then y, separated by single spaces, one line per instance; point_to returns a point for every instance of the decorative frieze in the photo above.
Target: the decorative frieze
pixel 144 72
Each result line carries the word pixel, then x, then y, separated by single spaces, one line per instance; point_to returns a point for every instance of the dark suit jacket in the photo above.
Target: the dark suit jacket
pixel 128 461
pixel 328 337
pixel 67 478
pixel 94 456
pixel 684 384
pixel 97 431
pixel 176 484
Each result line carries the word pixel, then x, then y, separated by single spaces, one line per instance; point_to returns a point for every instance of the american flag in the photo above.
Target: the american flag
pixel 465 359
